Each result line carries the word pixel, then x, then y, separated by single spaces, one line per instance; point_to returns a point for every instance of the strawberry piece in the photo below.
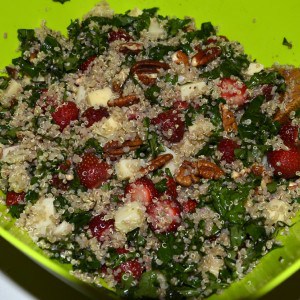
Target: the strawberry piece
pixel 267 90
pixel 214 40
pixel 227 147
pixel 120 34
pixel 13 198
pixel 130 267
pixel 84 66
pixel 101 227
pixel 289 134
pixel 180 105
pixel 233 91
pixel 189 206
pixel 171 191
pixel 92 171
pixel 143 190
pixel 94 115
pixel 170 125
pixel 65 114
pixel 285 162
pixel 122 250
pixel 164 215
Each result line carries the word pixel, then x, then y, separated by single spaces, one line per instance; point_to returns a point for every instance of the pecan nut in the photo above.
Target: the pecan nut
pixel 147 70
pixel 209 170
pixel 131 47
pixel 203 57
pixel 228 119
pixel 179 57
pixel 114 148
pixel 187 174
pixel 124 101
pixel 156 163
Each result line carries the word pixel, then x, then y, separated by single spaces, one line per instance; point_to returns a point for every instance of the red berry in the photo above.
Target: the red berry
pixel 164 215
pixel 170 125
pixel 131 267
pixel 289 134
pixel 121 250
pixel 92 171
pixel 13 198
pixel 143 190
pixel 101 227
pixel 189 206
pixel 267 90
pixel 233 91
pixel 285 162
pixel 214 40
pixel 65 113
pixel 227 147
pixel 171 191
pixel 84 66
pixel 119 35
pixel 94 115
pixel 180 105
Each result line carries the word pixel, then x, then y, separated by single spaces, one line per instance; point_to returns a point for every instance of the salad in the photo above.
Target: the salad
pixel 149 155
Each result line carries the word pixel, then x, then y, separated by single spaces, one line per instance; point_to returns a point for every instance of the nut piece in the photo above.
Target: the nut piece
pixel 292 95
pixel 156 163
pixel 203 57
pixel 209 170
pixel 114 148
pixel 228 119
pixel 131 47
pixel 147 70
pixel 179 57
pixel 124 101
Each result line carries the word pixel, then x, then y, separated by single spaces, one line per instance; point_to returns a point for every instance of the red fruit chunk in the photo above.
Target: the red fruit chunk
pixel 180 105
pixel 189 206
pixel 289 134
pixel 171 191
pixel 13 198
pixel 233 91
pixel 170 125
pixel 214 40
pixel 164 215
pixel 131 267
pixel 84 66
pixel 227 147
pixel 119 35
pixel 101 227
pixel 92 171
pixel 267 91
pixel 65 114
pixel 143 190
pixel 285 162
pixel 121 250
pixel 94 115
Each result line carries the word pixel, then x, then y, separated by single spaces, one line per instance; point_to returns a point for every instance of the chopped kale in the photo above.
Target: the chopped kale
pixel 160 51
pixel 61 1
pixel 4 81
pixel 173 25
pixel 285 42
pixel 161 186
pixel 8 135
pixel 152 94
pixel 16 210
pixel 207 29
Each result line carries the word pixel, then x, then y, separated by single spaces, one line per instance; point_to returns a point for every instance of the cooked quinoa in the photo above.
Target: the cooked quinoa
pixel 149 153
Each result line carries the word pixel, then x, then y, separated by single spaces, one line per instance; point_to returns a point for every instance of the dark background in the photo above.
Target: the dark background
pixel 43 285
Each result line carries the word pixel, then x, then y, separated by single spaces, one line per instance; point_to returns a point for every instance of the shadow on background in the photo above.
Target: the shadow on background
pixel 43 285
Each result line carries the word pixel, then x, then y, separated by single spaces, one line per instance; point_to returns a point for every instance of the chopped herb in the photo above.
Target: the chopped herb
pixel 285 42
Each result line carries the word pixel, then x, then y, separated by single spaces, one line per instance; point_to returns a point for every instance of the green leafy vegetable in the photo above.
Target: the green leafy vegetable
pixel 285 42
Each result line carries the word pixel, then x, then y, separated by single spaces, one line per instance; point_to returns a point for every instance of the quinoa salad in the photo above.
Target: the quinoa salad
pixel 153 157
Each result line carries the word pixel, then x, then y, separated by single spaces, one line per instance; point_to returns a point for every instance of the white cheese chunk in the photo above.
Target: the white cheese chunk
pixel 127 168
pixel 13 90
pixel 81 94
pixel 254 68
pixel 192 89
pixel 99 97
pixel 212 264
pixel 135 12
pixel 108 127
pixel 4 151
pixel 277 210
pixel 130 216
pixel 155 29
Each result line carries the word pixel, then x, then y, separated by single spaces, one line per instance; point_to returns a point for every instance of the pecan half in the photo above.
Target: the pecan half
pixel 179 57
pixel 209 170
pixel 156 163
pixel 187 174
pixel 114 148
pixel 124 101
pixel 147 70
pixel 228 119
pixel 203 57
pixel 292 95
pixel 131 47
pixel 120 79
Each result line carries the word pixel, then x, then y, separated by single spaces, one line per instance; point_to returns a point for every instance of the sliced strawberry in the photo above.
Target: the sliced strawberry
pixel 189 206
pixel 120 34
pixel 94 115
pixel 84 66
pixel 143 190
pixel 101 227
pixel 180 105
pixel 121 250
pixel 164 215
pixel 130 267
pixel 227 147
pixel 92 171
pixel 285 162
pixel 216 39
pixel 289 134
pixel 65 114
pixel 171 191
pixel 13 198
pixel 233 91
pixel 267 91
pixel 170 125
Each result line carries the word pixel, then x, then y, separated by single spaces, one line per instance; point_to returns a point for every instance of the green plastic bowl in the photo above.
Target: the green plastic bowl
pixel 259 25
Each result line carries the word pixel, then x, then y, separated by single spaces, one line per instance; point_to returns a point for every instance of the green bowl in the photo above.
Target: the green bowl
pixel 259 25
